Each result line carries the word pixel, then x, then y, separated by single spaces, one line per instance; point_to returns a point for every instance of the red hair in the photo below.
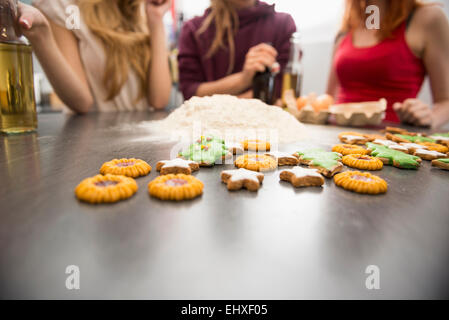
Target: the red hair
pixel 397 12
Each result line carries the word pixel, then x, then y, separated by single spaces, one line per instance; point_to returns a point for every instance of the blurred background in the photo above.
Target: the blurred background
pixel 317 21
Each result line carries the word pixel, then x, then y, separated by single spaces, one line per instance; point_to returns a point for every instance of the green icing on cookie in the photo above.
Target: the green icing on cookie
pixel 321 158
pixel 444 160
pixel 415 139
pixel 404 160
pixel 206 149
pixel 446 135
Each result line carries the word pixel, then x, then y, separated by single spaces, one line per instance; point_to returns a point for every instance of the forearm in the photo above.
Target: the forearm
pixel 75 94
pixel 233 84
pixel 159 81
pixel 440 114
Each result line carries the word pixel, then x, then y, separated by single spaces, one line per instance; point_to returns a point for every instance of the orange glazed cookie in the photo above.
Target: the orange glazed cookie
pixel 126 167
pixel 106 189
pixel 256 162
pixel 361 182
pixel 362 162
pixel 242 178
pixel 256 145
pixel 176 166
pixel 346 149
pixel 302 177
pixel 175 187
pixel 435 146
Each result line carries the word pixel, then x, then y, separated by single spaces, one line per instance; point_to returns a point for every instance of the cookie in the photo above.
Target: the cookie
pixel 346 149
pixel 441 138
pixel 176 166
pixel 235 148
pixel 256 145
pixel 395 130
pixel 256 162
pixel 242 178
pixel 302 177
pixel 363 162
pixel 206 151
pixel 126 167
pixel 283 158
pixel 361 182
pixel 429 154
pixel 411 147
pixel 175 187
pixel 441 163
pixel 107 188
pixel 393 157
pixel 434 146
pixel 408 138
pixel 353 138
pixel 327 163
pixel 391 144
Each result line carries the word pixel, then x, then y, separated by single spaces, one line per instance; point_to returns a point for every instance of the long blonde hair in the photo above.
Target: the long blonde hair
pixel 226 22
pixel 120 27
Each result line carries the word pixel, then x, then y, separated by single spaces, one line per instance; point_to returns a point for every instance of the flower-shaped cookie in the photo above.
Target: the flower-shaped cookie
pixel 126 167
pixel 256 162
pixel 361 182
pixel 175 187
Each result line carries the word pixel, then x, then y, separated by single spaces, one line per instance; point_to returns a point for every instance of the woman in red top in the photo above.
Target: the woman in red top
pixel 391 62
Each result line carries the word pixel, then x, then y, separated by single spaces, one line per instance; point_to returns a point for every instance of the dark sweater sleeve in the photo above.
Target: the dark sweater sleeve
pixel 191 74
pixel 288 27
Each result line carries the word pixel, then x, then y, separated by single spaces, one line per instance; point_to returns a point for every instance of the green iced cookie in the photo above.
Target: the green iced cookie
pixel 321 158
pixel 206 151
pixel 415 139
pixel 396 158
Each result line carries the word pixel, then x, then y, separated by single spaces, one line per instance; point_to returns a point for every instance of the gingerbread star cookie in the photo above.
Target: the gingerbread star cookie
pixel 429 154
pixel 283 158
pixel 242 178
pixel 441 163
pixel 353 138
pixel 411 147
pixel 393 157
pixel 302 177
pixel 176 166
pixel 126 167
pixel 327 163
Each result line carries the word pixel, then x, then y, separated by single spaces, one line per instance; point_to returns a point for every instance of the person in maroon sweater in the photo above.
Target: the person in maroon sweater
pixel 221 51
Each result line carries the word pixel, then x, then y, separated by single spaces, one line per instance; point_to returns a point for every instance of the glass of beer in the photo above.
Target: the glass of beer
pixel 17 101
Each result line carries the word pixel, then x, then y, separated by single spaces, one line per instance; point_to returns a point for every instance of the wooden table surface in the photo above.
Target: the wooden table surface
pixel 279 243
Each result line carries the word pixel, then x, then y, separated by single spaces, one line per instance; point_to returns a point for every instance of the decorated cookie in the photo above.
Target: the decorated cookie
pixel 385 142
pixel 256 145
pixel 411 147
pixel 441 163
pixel 435 146
pixel 395 130
pixel 361 182
pixel 441 138
pixel 363 162
pixel 175 187
pixel 398 147
pixel 126 167
pixel 393 157
pixel 374 136
pixel 235 147
pixel 353 138
pixel 346 149
pixel 302 177
pixel 429 154
pixel 256 162
pixel 106 188
pixel 176 166
pixel 408 138
pixel 242 178
pixel 206 151
pixel 327 163
pixel 283 158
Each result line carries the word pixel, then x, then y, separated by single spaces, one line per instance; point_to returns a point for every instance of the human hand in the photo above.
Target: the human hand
pixel 155 10
pixel 32 23
pixel 257 59
pixel 415 112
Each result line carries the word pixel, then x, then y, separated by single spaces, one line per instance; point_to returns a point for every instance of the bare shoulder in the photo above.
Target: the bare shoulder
pixel 430 17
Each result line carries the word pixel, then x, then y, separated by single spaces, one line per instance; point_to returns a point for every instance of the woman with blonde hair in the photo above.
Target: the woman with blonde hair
pixel 221 51
pixel 115 59
pixel 391 62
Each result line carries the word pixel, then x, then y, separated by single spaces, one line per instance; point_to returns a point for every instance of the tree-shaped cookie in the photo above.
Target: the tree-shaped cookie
pixel 206 151
pixel 394 158
pixel 327 163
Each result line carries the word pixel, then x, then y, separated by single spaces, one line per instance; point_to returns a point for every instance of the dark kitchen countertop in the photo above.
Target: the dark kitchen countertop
pixel 279 243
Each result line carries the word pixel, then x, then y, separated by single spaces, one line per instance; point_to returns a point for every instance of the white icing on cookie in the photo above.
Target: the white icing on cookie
pixel 177 163
pixel 353 138
pixel 441 138
pixel 243 174
pixel 277 155
pixel 410 145
pixel 430 153
pixel 301 172
pixel 398 147
pixel 234 145
pixel 383 142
